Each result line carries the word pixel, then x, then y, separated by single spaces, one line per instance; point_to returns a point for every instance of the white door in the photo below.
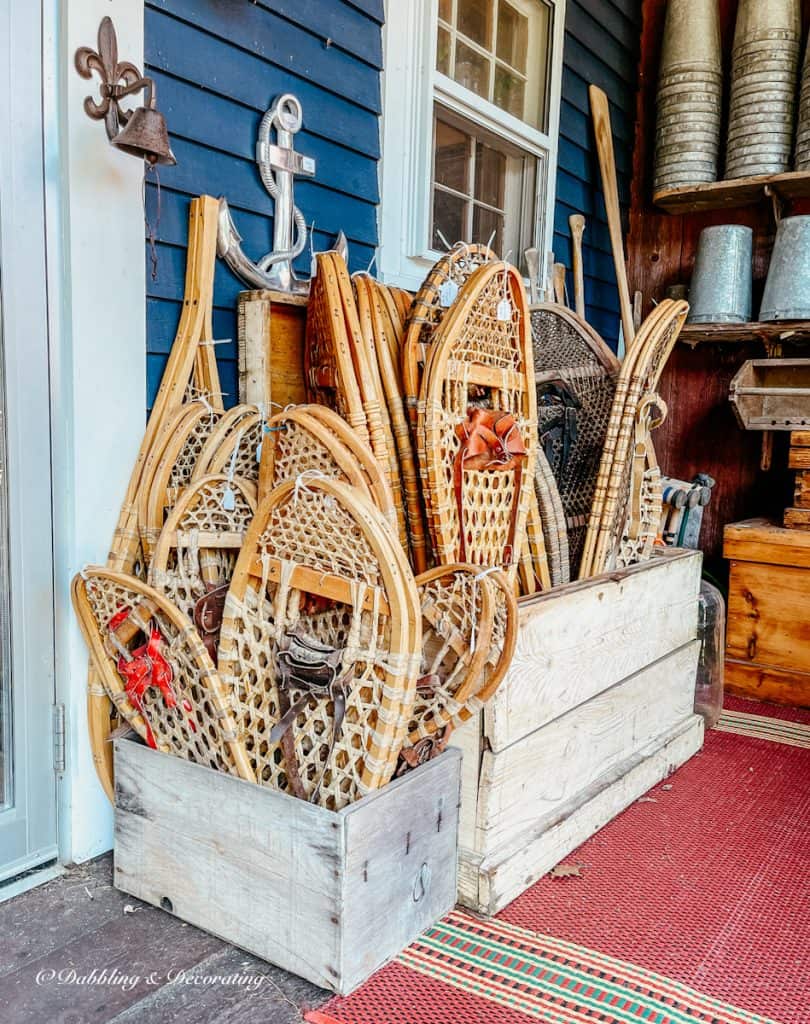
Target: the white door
pixel 27 777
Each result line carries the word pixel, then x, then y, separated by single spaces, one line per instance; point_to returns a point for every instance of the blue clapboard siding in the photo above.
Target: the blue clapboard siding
pixel 601 46
pixel 218 64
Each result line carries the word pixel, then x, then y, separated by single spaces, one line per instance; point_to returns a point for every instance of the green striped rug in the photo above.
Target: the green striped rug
pixel 794 734
pixel 557 982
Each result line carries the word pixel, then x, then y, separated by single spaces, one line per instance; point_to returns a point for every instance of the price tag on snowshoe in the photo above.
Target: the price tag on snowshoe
pixel 448 291
pixel 504 311
pixel 228 499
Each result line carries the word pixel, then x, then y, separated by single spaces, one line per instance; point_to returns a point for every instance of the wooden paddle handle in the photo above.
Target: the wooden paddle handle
pixel 533 268
pixel 559 284
pixel 576 222
pixel 600 111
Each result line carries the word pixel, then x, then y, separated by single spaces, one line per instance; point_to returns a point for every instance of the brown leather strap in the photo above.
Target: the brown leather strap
pixel 287 744
pixel 421 752
pixel 208 612
pixel 311 667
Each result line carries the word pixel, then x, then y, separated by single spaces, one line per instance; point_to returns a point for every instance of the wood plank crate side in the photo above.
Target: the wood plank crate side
pixel 470 741
pixel 797 519
pixel 271 347
pixel 275 875
pixel 255 381
pixel 768 621
pixel 401 868
pixel 488 883
pixel 212 846
pixel 801 494
pixel 532 778
pixel 761 682
pixel 758 540
pixel 223 897
pixel 584 638
pixel 799 458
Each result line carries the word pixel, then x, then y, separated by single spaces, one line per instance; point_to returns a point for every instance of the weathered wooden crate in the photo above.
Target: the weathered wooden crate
pixel 596 708
pixel 329 896
pixel 271 348
pixel 767 632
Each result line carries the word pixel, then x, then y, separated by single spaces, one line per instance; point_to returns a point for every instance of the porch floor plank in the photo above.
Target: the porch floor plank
pixel 77 923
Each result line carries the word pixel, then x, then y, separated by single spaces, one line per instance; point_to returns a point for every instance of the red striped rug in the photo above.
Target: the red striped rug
pixel 696 899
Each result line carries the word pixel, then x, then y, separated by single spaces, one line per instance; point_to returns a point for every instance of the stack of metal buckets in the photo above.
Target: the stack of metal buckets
pixel 690 96
pixel 764 84
pixel 803 134
pixel 764 75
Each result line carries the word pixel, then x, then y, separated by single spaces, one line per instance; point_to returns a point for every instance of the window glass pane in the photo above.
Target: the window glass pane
pixel 452 160
pixel 449 218
pixel 510 92
pixel 472 69
pixel 485 222
pixel 513 36
pixel 481 185
pixel 443 51
pixel 475 21
pixel 490 175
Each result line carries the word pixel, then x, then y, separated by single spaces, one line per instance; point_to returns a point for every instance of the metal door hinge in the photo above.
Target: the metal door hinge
pixel 59 737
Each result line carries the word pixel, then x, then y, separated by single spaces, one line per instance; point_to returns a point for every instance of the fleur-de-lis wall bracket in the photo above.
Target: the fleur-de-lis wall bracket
pixel 141 132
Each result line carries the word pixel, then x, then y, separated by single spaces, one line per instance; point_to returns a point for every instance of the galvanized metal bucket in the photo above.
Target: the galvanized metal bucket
pixel 690 96
pixel 721 283
pixel 764 73
pixel 787 289
pixel 758 19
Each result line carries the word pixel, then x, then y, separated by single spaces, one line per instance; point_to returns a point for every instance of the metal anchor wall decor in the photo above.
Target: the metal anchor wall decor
pixel 278 164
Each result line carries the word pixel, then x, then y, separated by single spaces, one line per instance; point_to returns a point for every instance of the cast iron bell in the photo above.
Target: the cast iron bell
pixel 146 136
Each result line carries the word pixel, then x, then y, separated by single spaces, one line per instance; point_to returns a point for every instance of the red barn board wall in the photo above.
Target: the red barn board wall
pixel 701 433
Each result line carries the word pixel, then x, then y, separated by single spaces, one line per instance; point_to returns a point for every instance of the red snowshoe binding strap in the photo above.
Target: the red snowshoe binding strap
pixel 490 440
pixel 143 668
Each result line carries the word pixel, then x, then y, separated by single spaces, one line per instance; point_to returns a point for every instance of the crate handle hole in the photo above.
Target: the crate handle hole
pixel 422 883
pixel 166 904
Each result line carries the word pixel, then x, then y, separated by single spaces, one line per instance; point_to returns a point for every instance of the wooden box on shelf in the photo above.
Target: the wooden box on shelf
pixel 768 629
pixel 595 709
pixel 329 896
pixel 798 517
pixel 271 348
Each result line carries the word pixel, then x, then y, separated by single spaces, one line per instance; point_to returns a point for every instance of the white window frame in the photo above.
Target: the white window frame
pixel 411 85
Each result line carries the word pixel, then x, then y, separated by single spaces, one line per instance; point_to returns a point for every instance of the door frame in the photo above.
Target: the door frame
pixel 96 256
pixel 28 829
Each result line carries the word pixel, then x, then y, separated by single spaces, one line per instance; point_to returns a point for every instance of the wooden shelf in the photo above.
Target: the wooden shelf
pixel 726 195
pixel 767 333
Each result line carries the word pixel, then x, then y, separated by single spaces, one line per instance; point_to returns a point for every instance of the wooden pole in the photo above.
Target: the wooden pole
pixel 576 223
pixel 559 284
pixel 600 111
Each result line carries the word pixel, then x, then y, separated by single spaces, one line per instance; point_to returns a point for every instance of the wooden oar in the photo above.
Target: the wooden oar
pixel 600 111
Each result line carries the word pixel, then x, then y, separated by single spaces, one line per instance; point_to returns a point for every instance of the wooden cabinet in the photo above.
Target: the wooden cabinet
pixel 768 630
